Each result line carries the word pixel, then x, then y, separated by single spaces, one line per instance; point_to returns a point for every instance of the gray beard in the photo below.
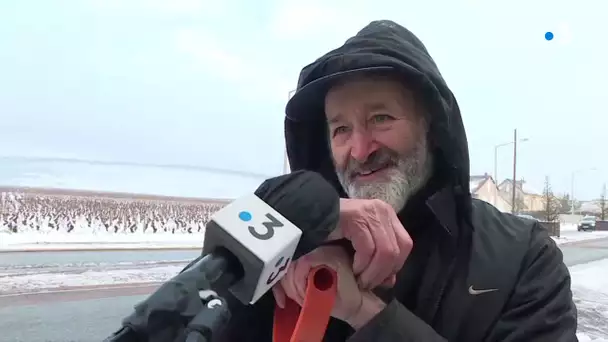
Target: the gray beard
pixel 407 175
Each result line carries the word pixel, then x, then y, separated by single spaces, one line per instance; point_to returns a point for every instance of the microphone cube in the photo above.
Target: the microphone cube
pixel 262 239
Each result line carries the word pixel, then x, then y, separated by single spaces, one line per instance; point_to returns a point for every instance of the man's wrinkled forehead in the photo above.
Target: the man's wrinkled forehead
pixel 405 94
pixel 368 107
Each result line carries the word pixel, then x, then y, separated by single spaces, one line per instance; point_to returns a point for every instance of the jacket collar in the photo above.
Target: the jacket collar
pixel 443 205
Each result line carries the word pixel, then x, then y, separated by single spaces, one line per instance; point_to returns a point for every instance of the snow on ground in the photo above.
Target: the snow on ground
pixel 590 289
pixel 580 236
pixel 99 240
pixel 570 234
pixel 589 286
pixel 55 281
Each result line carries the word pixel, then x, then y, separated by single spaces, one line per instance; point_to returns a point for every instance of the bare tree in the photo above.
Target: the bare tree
pixel 551 203
pixel 565 204
pixel 602 203
pixel 520 204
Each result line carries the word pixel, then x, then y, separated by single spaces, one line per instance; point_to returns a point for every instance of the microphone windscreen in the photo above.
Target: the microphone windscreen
pixel 308 201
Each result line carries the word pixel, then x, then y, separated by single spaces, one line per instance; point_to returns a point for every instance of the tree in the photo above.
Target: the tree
pixel 602 204
pixel 564 204
pixel 520 204
pixel 550 203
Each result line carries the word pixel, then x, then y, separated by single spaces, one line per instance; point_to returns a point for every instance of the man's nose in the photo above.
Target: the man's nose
pixel 362 145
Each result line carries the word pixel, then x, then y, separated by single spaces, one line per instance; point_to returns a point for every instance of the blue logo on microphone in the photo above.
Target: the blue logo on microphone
pixel 245 216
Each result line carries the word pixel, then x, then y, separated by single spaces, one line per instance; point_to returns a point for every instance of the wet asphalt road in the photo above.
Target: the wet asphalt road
pixel 92 315
pixel 81 321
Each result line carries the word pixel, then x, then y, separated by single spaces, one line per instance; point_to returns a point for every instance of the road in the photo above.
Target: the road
pixel 90 314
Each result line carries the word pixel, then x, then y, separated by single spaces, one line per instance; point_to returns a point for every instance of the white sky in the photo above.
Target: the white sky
pixel 204 83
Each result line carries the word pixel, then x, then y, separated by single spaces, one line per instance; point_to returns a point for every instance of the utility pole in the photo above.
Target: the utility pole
pixel 514 170
pixel 572 193
pixel 574 173
pixel 496 147
pixel 495 173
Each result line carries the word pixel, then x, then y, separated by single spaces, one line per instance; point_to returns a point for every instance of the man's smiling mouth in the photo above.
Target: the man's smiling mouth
pixel 371 171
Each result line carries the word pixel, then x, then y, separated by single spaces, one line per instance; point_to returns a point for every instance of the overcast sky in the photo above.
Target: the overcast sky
pixel 204 83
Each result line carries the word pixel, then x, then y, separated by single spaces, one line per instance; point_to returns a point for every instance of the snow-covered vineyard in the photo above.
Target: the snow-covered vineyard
pixel 47 213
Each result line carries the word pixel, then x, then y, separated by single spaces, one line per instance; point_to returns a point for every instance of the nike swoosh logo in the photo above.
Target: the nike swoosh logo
pixel 478 292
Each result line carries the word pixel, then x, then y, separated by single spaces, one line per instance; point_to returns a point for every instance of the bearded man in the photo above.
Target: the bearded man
pixel 377 120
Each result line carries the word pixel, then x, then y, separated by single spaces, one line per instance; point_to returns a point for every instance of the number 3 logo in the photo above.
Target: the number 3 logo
pixel 269 225
pixel 282 266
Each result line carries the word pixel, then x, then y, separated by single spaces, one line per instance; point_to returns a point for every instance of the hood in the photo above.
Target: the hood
pixel 381 46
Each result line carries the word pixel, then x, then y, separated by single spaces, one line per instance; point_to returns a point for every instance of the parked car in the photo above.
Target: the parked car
pixel 587 223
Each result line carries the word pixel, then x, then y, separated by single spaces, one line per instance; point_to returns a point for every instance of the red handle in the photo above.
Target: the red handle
pixel 309 323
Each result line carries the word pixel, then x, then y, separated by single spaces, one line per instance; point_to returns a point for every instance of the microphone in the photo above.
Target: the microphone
pixel 260 234
pixel 248 246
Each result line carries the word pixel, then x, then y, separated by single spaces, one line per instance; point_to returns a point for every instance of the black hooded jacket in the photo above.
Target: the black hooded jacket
pixel 461 245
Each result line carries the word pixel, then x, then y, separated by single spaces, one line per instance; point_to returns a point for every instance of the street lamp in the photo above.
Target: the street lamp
pixel 574 173
pixel 496 147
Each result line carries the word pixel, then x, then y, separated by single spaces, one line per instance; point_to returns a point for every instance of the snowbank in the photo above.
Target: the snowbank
pixel 30 241
pixel 590 290
pixel 570 234
pixel 57 281
pixel 582 236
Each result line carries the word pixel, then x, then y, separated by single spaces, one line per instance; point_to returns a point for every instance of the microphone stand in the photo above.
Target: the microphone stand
pixel 210 321
pixel 186 298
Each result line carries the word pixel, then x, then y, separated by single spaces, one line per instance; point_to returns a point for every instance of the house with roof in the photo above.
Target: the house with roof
pixel 527 198
pixel 484 187
pixel 590 207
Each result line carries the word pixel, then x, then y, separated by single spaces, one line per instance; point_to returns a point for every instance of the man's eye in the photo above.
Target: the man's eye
pixel 340 130
pixel 381 118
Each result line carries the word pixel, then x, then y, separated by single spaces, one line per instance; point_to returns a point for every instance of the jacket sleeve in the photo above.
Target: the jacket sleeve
pixel 541 307
pixel 396 323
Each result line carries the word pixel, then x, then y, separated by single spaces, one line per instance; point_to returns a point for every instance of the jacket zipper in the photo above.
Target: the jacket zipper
pixel 443 287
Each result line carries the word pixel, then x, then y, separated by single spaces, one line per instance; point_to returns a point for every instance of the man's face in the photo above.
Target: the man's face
pixel 378 139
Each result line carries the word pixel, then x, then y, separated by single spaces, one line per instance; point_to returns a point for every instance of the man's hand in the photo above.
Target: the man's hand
pixel 380 241
pixel 353 306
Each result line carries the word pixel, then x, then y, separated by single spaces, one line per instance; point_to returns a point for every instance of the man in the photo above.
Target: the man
pixel 378 121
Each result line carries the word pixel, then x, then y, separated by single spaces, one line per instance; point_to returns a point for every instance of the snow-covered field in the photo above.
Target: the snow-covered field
pixel 28 240
pixel 64 220
pixel 51 220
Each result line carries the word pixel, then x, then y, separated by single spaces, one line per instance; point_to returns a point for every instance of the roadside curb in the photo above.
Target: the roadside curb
pixel 580 242
pixel 75 294
pixel 79 288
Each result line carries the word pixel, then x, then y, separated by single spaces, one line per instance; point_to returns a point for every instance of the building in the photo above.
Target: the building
pixel 527 198
pixel 484 187
pixel 590 207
